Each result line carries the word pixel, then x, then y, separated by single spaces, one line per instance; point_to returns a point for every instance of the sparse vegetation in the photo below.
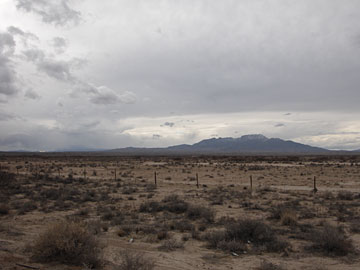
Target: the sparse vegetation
pixel 280 215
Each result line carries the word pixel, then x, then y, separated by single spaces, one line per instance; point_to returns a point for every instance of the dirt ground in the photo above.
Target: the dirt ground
pixel 127 210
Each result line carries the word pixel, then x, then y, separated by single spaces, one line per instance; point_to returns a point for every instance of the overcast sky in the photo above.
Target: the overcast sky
pixel 108 74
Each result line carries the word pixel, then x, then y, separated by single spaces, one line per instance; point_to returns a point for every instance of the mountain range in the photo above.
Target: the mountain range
pixel 255 143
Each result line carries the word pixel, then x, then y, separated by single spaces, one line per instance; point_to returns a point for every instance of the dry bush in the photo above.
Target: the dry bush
pixel 332 240
pixel 266 265
pixel 150 207
pixel 345 195
pixel 355 226
pixel 171 245
pixel 174 204
pixel 135 261
pixel 182 225
pixel 197 212
pixel 288 217
pixel 259 234
pixel 4 209
pixel 67 242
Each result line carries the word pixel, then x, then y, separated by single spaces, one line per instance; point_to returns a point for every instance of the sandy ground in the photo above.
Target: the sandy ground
pixel 122 184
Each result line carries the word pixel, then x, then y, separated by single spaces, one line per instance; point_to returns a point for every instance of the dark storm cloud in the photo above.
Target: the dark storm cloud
pixel 8 76
pixel 56 12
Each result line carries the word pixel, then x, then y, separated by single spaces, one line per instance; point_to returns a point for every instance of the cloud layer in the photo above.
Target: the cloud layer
pixel 155 73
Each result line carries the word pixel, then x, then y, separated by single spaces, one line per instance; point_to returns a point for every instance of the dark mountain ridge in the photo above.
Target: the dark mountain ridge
pixel 254 143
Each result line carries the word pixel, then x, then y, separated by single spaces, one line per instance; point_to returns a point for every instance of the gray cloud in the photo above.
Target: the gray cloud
pixel 105 96
pixel 8 77
pixel 5 116
pixel 56 12
pixel 168 124
pixel 34 55
pixel 31 94
pixel 57 69
pixel 25 36
pixel 279 125
pixel 60 44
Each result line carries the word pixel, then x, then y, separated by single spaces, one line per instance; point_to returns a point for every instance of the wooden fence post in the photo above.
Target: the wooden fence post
pixel 197 180
pixel 315 189
pixel 155 179
pixel 251 183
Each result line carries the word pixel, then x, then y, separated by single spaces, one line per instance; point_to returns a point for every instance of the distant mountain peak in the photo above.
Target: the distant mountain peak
pixel 258 137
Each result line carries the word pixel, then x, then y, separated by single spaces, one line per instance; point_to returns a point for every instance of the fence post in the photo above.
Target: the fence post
pixel 197 180
pixel 155 179
pixel 251 183
pixel 315 189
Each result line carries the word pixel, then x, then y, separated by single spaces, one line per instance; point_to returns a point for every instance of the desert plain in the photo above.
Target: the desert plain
pixel 83 211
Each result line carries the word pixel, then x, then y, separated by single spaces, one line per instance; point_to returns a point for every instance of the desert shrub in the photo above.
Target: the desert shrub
pixel 327 195
pixel 181 225
pixel 214 238
pixel 51 193
pixel 355 226
pixel 171 245
pixel 4 209
pixel 163 234
pixel 345 195
pixel 67 242
pixel 135 261
pixel 150 187
pixel 232 246
pixel 150 207
pixel 6 178
pixel 288 217
pixel 129 190
pixel 27 207
pixel 174 204
pixel 266 265
pixel 259 234
pixel 250 230
pixel 332 240
pixel 197 212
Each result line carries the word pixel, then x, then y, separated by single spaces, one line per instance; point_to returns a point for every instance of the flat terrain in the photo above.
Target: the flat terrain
pixel 221 223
